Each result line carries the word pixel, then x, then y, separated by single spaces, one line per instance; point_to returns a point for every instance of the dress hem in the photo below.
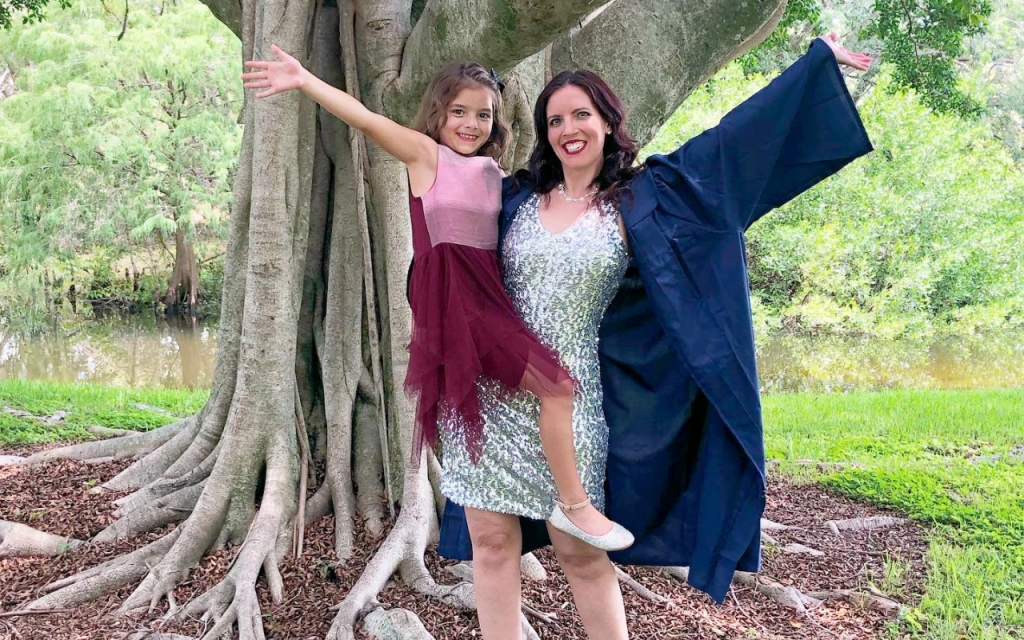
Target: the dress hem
pixel 479 505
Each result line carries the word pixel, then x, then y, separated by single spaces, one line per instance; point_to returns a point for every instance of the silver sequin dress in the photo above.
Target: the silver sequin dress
pixel 561 285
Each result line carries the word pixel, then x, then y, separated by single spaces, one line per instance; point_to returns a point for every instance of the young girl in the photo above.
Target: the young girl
pixel 464 323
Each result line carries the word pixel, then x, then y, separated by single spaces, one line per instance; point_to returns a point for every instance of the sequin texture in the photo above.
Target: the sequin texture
pixel 561 285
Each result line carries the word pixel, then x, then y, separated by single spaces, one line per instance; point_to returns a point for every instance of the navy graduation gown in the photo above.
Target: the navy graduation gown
pixel 686 471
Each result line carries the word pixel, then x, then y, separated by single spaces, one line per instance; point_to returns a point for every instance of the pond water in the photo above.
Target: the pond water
pixel 143 351
pixel 133 350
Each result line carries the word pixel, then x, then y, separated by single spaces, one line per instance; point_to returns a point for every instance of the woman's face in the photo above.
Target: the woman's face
pixel 469 120
pixel 576 131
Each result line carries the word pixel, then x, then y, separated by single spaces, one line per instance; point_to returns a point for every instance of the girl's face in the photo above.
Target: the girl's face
pixel 470 116
pixel 576 131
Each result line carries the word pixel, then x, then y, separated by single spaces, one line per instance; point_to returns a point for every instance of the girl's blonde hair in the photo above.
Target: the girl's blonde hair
pixel 442 90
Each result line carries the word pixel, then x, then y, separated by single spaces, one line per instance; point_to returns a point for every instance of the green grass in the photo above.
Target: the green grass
pixel 87 405
pixel 913 449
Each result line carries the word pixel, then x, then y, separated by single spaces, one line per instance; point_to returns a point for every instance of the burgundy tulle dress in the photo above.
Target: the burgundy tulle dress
pixel 464 323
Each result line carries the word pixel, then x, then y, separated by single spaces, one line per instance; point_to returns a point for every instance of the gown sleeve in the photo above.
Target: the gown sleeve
pixel 790 135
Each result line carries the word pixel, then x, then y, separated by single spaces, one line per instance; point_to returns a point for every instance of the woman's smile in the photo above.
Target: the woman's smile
pixel 573 147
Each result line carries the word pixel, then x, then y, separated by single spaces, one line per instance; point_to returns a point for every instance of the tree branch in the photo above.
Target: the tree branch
pixel 495 33
pixel 229 12
pixel 677 45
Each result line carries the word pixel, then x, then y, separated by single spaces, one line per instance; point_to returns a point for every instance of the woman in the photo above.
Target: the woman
pixel 676 455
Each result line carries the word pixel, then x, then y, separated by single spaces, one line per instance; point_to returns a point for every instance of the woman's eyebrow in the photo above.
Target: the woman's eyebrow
pixel 573 112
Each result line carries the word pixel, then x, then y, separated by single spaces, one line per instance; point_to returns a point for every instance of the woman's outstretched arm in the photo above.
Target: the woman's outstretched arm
pixel 414 149
pixel 788 136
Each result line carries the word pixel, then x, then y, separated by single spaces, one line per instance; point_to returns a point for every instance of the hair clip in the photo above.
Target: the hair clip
pixel 497 80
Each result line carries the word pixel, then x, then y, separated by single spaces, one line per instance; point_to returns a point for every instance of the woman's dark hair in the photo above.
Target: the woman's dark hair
pixel 544 170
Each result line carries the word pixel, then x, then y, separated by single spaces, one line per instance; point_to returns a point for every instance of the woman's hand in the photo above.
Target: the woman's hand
pixel 859 61
pixel 284 74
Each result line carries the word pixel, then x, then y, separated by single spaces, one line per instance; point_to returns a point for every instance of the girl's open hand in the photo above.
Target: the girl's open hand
pixel 283 74
pixel 859 61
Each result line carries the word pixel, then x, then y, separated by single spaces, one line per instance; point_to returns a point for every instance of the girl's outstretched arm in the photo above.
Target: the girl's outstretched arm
pixel 416 150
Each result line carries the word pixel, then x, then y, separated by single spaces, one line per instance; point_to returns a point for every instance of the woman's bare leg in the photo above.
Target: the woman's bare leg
pixel 595 587
pixel 497 546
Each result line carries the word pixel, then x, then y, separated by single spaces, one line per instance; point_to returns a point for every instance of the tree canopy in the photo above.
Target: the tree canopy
pixel 111 141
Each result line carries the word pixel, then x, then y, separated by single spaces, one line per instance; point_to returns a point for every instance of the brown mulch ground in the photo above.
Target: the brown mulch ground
pixel 55 497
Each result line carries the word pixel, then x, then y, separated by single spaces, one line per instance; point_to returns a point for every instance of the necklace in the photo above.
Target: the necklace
pixel 586 196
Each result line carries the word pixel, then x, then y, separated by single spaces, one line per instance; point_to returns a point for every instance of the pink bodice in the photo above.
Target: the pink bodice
pixel 462 205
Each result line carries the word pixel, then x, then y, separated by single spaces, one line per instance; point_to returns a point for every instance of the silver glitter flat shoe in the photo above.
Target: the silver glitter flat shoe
pixel 615 540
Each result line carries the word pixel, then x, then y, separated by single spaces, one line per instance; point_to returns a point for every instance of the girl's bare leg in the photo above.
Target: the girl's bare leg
pixel 497 545
pixel 595 587
pixel 560 450
pixel 557 439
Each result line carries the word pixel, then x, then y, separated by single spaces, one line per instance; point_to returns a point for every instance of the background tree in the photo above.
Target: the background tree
pixel 314 321
pixel 115 139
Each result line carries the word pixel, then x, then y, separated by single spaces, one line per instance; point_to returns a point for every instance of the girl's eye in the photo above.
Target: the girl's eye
pixel 457 112
pixel 485 116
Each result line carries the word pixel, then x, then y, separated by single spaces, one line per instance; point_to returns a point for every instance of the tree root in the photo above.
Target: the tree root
pixel 464 572
pixel 789 596
pixel 167 485
pixel 19 540
pixel 151 408
pixel 863 524
pixel 260 549
pixel 403 548
pixel 434 473
pixel 369 470
pixel 171 459
pixel 875 602
pixel 319 505
pixel 55 418
pixel 531 568
pixel 414 573
pixel 395 624
pixel 232 602
pixel 773 526
pixel 104 578
pixel 785 595
pixel 799 548
pixel 107 432
pixel 173 508
pixel 641 590
pixel 115 448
